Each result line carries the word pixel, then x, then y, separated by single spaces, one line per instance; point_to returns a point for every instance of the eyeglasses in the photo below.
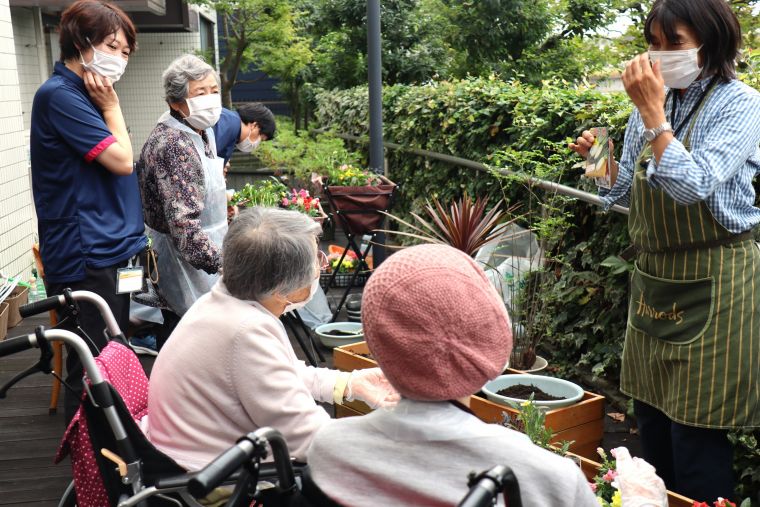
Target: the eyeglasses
pixel 322 261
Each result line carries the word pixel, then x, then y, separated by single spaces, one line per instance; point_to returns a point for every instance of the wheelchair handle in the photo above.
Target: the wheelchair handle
pixel 213 474
pixel 68 298
pixel 11 346
pixel 253 445
pixel 44 305
pixel 485 487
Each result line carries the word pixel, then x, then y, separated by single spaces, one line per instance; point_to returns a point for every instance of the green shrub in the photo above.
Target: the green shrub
pixel 525 129
pixel 301 154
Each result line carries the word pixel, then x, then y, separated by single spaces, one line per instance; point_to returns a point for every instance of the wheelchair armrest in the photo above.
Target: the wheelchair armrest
pixel 173 481
pixel 267 471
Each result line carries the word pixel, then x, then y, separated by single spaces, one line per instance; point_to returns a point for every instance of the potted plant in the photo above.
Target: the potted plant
pixel 547 392
pixel 358 196
pixel 266 192
pixel 531 420
pixel 464 225
pixel 300 200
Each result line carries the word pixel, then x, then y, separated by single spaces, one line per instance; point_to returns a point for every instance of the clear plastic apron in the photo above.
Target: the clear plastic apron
pixel 181 284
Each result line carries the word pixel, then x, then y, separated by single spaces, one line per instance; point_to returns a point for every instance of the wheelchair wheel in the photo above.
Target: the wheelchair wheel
pixel 69 498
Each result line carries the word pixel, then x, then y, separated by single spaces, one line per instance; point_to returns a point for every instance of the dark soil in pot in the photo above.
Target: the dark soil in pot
pixel 523 392
pixel 337 332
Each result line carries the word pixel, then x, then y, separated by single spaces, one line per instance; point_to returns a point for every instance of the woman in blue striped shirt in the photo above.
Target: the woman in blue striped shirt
pixel 691 360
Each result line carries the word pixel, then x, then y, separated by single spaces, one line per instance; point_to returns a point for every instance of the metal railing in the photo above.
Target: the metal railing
pixel 549 186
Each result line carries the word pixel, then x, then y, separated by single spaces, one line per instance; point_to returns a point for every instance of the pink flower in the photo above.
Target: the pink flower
pixel 285 201
pixel 610 475
pixel 592 485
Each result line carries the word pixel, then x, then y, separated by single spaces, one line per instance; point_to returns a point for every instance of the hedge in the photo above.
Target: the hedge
pixel 518 127
pixel 522 128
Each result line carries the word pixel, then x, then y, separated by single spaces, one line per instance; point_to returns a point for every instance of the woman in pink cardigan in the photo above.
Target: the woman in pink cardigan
pixel 228 368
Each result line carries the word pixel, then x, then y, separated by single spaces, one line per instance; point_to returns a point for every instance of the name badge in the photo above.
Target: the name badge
pixel 129 280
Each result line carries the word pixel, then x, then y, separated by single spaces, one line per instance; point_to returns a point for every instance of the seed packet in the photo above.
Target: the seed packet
pixel 598 161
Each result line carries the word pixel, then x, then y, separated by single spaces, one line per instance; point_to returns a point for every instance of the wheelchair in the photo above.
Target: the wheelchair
pixel 114 464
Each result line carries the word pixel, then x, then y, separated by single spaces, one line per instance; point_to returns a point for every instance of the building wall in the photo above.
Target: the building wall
pixel 30 58
pixel 141 90
pixel 17 227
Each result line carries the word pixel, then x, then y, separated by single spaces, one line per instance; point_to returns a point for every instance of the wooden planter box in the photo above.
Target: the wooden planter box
pixel 582 422
pixel 590 468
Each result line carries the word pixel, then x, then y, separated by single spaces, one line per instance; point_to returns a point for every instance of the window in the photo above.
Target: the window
pixel 208 46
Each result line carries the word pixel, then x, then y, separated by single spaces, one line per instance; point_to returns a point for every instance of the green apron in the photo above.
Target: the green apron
pixel 692 346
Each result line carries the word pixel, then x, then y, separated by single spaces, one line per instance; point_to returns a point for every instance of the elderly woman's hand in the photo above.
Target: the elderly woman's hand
pixel 639 485
pixel 644 85
pixel 371 387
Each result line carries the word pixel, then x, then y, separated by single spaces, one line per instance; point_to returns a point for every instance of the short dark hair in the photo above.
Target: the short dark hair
pixel 257 112
pixel 714 23
pixel 88 22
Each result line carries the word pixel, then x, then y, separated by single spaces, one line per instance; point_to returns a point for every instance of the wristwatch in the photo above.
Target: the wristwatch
pixel 651 134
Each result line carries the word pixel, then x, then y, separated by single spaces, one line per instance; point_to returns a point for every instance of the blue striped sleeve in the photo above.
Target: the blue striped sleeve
pixel 620 193
pixel 730 135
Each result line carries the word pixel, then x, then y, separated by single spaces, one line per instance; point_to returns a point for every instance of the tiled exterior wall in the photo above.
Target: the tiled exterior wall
pixel 29 44
pixel 141 90
pixel 17 228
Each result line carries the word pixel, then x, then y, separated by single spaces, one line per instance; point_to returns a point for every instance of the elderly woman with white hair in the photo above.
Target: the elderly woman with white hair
pixel 182 185
pixel 229 368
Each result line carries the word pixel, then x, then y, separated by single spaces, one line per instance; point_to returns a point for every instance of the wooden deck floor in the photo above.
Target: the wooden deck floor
pixel 28 435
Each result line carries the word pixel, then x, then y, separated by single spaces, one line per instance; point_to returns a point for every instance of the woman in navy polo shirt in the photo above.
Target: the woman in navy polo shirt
pixel 85 193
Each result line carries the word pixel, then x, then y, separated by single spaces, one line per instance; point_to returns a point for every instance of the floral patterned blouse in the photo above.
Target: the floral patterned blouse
pixel 172 186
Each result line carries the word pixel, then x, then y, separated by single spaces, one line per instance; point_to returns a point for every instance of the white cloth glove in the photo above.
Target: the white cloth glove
pixel 639 485
pixel 371 387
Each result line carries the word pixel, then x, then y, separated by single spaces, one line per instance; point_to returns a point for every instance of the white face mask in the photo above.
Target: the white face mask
pixel 247 146
pixel 205 110
pixel 295 306
pixel 105 65
pixel 679 68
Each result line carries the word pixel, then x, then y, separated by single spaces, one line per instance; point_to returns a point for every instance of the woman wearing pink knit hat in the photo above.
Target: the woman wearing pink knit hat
pixel 439 331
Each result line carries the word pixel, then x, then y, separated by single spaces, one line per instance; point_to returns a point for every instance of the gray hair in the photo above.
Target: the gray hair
pixel 180 72
pixel 269 251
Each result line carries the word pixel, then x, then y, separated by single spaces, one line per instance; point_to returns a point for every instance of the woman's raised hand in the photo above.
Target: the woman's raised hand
pixel 101 91
pixel 645 86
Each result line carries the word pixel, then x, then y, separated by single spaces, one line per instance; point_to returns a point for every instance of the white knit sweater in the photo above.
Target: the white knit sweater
pixel 229 369
pixel 420 453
